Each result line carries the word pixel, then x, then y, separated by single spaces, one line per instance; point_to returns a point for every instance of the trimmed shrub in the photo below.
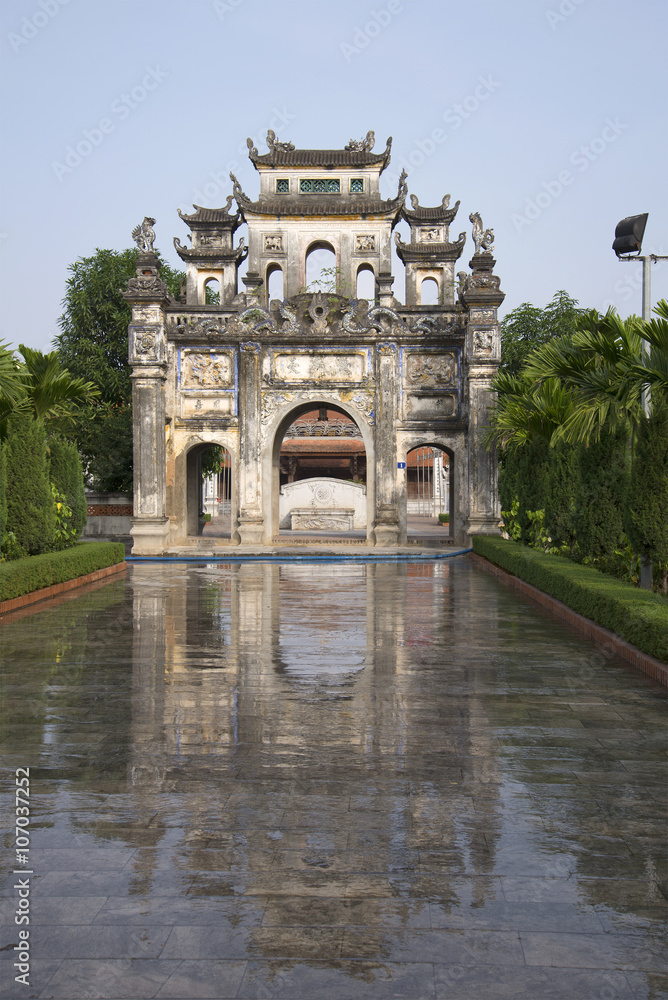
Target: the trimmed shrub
pixel 67 476
pixel 646 506
pixel 3 491
pixel 603 477
pixel 36 572
pixel 638 616
pixel 30 509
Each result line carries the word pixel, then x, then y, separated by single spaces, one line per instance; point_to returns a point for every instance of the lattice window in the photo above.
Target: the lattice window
pixel 320 186
pixel 356 185
pixel 283 186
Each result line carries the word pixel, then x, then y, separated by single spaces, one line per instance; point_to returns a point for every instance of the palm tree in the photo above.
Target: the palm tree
pixel 51 392
pixel 13 378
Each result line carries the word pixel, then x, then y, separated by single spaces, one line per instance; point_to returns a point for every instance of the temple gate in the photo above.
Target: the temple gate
pixel 236 368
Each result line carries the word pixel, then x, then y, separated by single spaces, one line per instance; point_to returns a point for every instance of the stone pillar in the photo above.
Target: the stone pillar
pixel 386 526
pixel 482 297
pixel 147 294
pixel 384 283
pixel 251 520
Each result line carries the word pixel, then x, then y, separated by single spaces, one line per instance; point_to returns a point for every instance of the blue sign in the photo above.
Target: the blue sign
pixel 401 465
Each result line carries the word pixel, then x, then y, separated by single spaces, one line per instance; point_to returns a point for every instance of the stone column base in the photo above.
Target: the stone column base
pixel 150 535
pixel 483 524
pixel 250 532
pixel 386 534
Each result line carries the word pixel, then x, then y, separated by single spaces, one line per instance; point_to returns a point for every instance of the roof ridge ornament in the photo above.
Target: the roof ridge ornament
pixel 402 190
pixel 275 145
pixel 416 204
pixel 238 191
pixel 144 235
pixel 483 238
pixel 364 145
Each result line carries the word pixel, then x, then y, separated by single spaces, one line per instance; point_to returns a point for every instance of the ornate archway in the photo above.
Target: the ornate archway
pixel 236 372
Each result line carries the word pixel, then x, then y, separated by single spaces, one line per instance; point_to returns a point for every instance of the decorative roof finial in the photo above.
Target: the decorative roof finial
pixel 274 144
pixel 144 235
pixel 364 145
pixel 483 238
pixel 402 190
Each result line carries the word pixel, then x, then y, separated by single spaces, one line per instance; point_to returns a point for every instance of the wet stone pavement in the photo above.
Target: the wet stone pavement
pixel 341 781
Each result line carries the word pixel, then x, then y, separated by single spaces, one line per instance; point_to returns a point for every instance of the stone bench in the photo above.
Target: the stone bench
pixel 322 518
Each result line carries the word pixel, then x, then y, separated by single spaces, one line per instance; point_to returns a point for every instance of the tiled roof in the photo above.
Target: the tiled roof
pixel 320 157
pixel 209 253
pixel 212 216
pixel 438 214
pixel 283 205
pixel 429 250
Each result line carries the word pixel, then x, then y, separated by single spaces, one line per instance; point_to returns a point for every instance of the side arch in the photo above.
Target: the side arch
pixel 455 447
pixel 187 488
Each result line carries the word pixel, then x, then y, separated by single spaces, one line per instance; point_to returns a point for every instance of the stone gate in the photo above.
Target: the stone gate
pixel 237 372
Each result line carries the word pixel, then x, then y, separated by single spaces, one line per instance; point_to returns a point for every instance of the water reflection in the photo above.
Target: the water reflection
pixel 333 762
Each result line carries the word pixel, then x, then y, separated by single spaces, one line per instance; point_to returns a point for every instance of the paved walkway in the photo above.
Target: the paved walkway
pixel 344 782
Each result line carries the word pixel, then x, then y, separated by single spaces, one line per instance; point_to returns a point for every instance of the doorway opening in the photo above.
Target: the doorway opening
pixel 209 472
pixel 430 491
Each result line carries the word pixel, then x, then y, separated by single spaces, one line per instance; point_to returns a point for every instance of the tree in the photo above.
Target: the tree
pixel 93 344
pixel 50 391
pixel 12 383
pixel 527 327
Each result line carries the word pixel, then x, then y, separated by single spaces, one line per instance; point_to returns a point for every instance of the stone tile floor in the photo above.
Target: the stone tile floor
pixel 330 781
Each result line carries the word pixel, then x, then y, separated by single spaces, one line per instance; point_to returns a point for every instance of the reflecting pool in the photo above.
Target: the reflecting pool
pixel 338 780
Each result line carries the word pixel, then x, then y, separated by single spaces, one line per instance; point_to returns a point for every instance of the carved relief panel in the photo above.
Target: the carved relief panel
pixel 273 243
pixel 146 344
pixel 320 368
pixel 365 243
pixel 430 371
pixel 201 369
pixel 483 343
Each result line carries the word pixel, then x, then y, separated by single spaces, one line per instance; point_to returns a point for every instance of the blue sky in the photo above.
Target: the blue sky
pixel 546 116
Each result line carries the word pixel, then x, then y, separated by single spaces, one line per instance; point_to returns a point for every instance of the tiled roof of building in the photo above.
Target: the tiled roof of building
pixel 356 154
pixel 210 253
pixel 212 216
pixel 430 250
pixel 420 213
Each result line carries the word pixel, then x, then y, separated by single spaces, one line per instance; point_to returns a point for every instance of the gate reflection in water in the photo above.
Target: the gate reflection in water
pixel 333 780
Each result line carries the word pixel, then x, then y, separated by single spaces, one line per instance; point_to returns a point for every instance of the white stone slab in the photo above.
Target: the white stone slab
pixel 321 494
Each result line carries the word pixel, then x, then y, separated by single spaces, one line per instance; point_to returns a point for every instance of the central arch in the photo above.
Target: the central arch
pixel 272 471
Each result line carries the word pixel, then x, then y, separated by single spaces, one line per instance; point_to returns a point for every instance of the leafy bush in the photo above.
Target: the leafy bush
pixel 66 475
pixel 638 616
pixel 36 572
pixel 444 518
pixel 65 534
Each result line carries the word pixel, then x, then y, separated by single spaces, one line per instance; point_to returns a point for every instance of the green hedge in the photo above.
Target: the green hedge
pixel 23 576
pixel 638 616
